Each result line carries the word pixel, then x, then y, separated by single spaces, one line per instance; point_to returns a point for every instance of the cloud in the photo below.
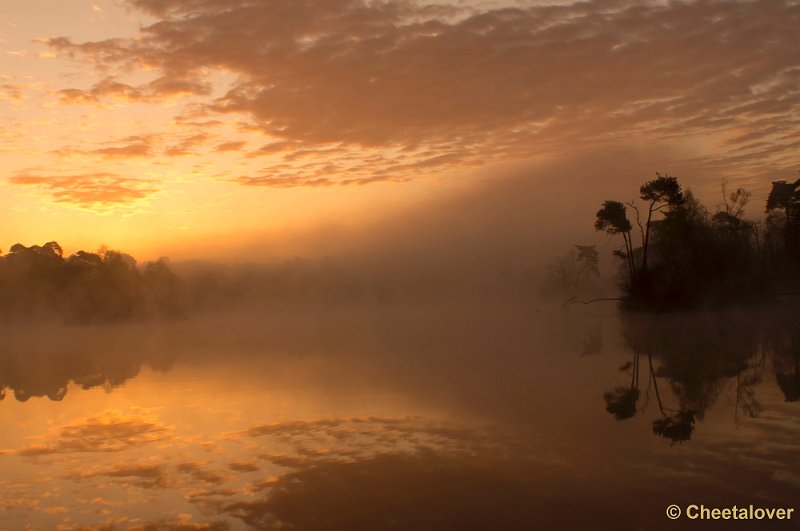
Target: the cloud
pixel 76 96
pixel 405 89
pixel 11 91
pixel 89 190
pixel 111 431
pixel 188 145
pixel 155 91
pixel 145 145
pixel 141 475
pixel 131 146
pixel 182 523
pixel 179 525
pixel 291 180
pixel 230 146
pixel 243 467
pixel 137 149
pixel 200 472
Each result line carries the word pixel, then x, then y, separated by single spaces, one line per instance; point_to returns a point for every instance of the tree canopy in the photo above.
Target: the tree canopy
pixel 84 287
pixel 686 257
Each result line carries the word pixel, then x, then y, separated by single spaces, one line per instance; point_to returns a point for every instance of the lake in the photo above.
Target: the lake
pixel 496 415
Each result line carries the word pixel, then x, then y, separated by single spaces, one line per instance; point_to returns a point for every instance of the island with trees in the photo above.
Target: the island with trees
pixel 708 300
pixel 675 255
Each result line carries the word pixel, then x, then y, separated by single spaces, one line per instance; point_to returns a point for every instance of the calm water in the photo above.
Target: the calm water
pixel 469 417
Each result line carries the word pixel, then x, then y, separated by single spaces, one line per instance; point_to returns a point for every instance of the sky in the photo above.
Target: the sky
pixel 198 127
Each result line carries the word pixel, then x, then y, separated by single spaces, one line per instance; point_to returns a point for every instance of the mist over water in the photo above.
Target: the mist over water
pixel 407 415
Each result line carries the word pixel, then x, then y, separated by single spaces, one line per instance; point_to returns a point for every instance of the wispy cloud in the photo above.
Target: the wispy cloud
pixel 89 190
pixel 141 475
pixel 110 88
pixel 131 146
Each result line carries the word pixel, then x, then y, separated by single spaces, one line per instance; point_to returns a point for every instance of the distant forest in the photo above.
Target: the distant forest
pixel 110 286
pixel 690 258
pixel 38 281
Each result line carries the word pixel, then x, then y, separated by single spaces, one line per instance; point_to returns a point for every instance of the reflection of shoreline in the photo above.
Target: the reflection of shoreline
pixel 699 356
pixel 446 356
pixel 43 361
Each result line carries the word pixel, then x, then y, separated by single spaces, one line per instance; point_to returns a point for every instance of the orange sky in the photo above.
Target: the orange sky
pixel 163 126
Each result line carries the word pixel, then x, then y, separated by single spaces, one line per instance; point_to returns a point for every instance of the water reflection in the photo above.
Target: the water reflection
pixel 416 418
pixel 699 356
pixel 42 361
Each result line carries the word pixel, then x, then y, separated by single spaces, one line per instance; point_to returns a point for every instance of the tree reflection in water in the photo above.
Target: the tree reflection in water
pixel 702 354
pixel 42 361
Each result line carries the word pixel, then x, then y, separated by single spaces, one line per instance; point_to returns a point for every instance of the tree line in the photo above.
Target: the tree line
pixel 675 254
pixel 108 285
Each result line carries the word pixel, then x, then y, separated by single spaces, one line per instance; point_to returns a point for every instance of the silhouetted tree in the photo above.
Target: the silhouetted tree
pixel 663 192
pixel 613 219
pixel 730 213
pixel 690 258
pixel 783 204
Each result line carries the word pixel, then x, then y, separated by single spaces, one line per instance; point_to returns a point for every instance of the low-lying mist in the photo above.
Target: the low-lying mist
pixel 492 238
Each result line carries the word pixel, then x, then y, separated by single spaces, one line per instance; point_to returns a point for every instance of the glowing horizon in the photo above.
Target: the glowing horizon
pixel 176 126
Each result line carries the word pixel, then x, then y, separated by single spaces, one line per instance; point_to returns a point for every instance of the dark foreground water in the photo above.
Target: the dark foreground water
pixel 455 417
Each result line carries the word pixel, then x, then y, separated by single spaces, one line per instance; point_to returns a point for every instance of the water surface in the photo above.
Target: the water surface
pixel 483 416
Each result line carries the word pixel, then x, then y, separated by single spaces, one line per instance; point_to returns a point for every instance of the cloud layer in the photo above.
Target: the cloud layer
pixel 352 92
